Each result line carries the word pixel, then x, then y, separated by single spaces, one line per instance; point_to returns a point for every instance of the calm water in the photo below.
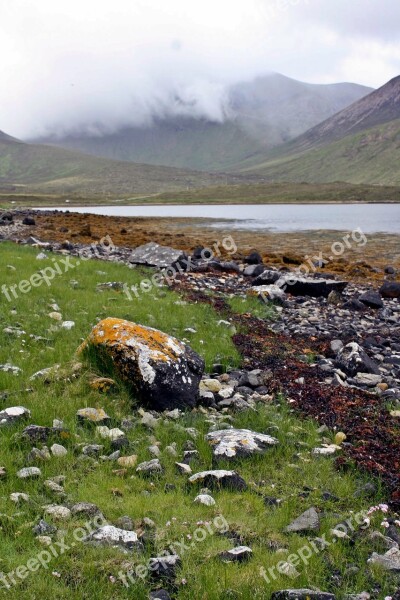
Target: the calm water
pixel 371 218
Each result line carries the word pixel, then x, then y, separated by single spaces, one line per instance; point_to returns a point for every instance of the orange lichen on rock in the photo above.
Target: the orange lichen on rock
pixel 112 331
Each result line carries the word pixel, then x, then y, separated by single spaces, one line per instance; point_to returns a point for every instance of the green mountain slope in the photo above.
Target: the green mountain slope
pixel 33 168
pixel 372 156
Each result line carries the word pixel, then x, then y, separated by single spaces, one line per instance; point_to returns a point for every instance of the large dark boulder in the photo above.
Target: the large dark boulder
pixel 371 299
pixel 303 286
pixel 163 372
pixel 390 289
pixel 267 277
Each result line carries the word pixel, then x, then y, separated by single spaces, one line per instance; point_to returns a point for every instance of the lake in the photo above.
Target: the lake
pixel 371 218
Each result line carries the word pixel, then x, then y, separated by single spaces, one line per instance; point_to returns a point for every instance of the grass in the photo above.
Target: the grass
pixel 288 471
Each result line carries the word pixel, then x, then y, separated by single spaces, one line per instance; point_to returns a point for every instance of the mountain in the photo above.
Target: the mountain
pixel 40 169
pixel 260 115
pixel 360 144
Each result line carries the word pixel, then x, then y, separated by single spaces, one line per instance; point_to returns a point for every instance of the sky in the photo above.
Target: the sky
pixel 96 65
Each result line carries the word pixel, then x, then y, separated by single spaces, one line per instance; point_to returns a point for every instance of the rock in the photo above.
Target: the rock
pixel 87 509
pixel 149 467
pixel 254 270
pixel 353 359
pixel 3 472
pixel 56 316
pixel 237 554
pixel 127 461
pixel 219 478
pixel 335 298
pixel 390 561
pixel 327 450
pixel 161 370
pixel 183 468
pixel 367 379
pixel 68 325
pixel 154 255
pixel 371 299
pixel 268 293
pixel 108 535
pixel 58 450
pixel 302 286
pixel 92 449
pixel 102 384
pixel 336 345
pixel 92 415
pixel 29 221
pixel 307 521
pixel 29 473
pixel 254 258
pixel 212 385
pixel 37 433
pixel 303 594
pixel 9 368
pixel 54 487
pixel 205 499
pixel 154 451
pixel 164 566
pixel 354 304
pixel 43 528
pixel 390 289
pixel 18 497
pixel 13 414
pixel 59 513
pixel 232 443
pixel 267 277
pixel 38 455
pixel 159 595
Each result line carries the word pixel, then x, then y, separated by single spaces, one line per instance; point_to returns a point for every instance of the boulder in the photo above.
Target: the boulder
pixel 253 259
pixel 237 554
pixel 390 289
pixel 307 521
pixel 219 478
pixel 353 359
pixel 108 535
pixel 306 286
pixel 233 443
pixel 13 414
pixel 154 255
pixel 163 372
pixel 390 561
pixel 267 277
pixel 371 299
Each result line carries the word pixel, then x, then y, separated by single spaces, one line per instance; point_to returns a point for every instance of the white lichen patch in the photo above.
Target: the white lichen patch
pixel 229 443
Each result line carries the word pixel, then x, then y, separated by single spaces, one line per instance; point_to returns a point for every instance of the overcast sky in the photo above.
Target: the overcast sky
pixel 68 64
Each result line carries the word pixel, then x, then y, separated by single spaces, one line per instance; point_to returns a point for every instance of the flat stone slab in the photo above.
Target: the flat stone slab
pixel 232 443
pixel 113 536
pixel 154 255
pixel 390 561
pixel 237 554
pixel 307 521
pixel 13 414
pixel 219 478
pixel 303 286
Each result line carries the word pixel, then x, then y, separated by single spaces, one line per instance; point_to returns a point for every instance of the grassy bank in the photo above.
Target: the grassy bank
pixel 289 471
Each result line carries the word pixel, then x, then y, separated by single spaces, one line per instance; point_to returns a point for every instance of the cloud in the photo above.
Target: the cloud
pixel 97 65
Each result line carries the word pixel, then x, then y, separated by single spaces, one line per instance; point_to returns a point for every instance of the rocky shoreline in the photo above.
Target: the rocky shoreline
pixel 340 341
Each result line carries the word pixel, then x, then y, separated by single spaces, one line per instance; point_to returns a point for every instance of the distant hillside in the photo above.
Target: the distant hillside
pixel 379 107
pixel 39 169
pixel 370 157
pixel 360 144
pixel 260 115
